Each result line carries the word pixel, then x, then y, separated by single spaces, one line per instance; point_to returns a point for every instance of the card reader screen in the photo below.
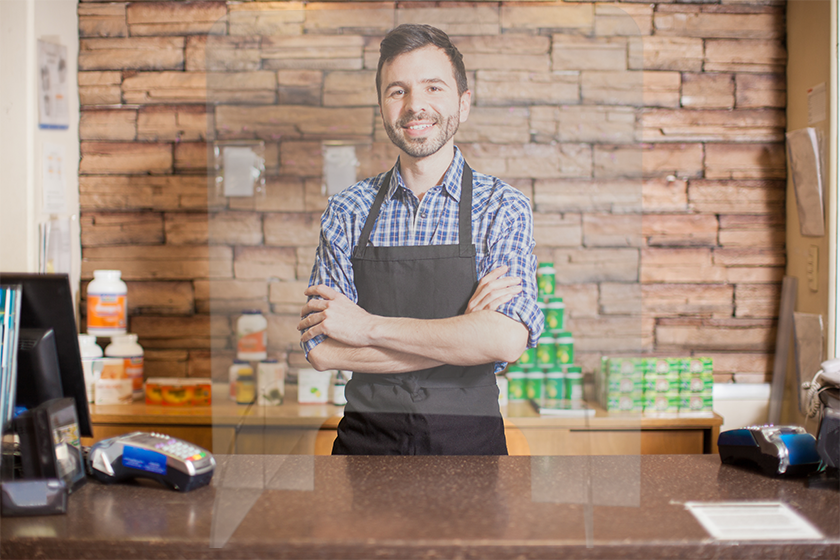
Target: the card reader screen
pixel 144 460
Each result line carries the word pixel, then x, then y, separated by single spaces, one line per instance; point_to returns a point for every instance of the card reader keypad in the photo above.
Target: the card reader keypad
pixel 180 449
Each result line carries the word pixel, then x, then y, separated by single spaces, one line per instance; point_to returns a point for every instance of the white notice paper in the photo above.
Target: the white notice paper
pixel 55 200
pixel 753 521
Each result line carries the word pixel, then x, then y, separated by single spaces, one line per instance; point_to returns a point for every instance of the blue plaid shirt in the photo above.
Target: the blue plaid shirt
pixel 502 230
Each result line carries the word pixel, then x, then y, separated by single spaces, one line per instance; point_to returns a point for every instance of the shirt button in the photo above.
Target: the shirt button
pixel 422 214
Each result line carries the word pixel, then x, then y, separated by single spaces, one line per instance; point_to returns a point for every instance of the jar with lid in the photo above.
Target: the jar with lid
pixel 126 347
pixel 246 388
pixel 107 304
pixel 251 336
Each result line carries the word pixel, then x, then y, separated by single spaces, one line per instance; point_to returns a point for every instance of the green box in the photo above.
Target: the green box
pixel 625 366
pixel 696 402
pixel 625 383
pixel 700 365
pixel 662 402
pixel 627 402
pixel 669 383
pixel 696 383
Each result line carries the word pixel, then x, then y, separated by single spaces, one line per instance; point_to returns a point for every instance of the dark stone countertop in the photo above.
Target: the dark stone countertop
pixel 426 507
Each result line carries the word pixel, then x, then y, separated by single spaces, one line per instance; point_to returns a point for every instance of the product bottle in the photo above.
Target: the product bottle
pixel 107 304
pixel 91 362
pixel 338 389
pixel 246 388
pixel 251 336
pixel 126 347
pixel 238 369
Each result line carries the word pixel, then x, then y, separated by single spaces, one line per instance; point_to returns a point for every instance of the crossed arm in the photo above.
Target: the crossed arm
pixel 360 341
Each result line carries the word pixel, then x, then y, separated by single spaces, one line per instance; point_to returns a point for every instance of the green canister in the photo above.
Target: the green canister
pixel 574 383
pixel 554 311
pixel 547 352
pixel 534 381
pixel 565 348
pixel 516 383
pixel 545 279
pixel 555 385
pixel 528 359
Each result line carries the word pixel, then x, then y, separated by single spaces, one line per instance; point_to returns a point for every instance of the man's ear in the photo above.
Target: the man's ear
pixel 466 103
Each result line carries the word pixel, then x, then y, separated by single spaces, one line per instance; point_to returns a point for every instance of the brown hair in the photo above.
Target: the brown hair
pixel 410 36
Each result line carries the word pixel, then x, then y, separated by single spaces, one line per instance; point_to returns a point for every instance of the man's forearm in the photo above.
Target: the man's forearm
pixel 331 354
pixel 464 340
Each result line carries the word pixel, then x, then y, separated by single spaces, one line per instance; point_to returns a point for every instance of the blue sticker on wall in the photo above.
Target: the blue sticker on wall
pixel 144 460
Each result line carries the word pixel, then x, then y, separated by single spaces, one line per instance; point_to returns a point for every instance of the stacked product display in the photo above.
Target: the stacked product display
pixel 114 376
pixel 661 385
pixel 548 373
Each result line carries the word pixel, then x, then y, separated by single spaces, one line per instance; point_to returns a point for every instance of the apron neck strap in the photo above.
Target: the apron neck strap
pixel 464 212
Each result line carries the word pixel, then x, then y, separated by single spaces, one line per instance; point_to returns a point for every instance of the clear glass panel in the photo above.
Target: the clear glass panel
pixel 556 113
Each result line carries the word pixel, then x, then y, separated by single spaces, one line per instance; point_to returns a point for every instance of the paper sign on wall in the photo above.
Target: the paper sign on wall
pixel 53 107
pixel 803 148
pixel 53 182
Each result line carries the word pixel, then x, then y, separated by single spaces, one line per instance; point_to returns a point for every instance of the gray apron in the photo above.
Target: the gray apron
pixel 445 410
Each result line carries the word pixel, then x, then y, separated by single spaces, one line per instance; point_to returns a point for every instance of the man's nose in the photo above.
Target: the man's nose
pixel 416 102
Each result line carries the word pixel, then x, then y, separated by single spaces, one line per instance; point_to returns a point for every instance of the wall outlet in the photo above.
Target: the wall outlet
pixel 813 268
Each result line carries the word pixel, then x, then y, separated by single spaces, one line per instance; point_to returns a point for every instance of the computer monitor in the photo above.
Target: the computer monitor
pixel 47 303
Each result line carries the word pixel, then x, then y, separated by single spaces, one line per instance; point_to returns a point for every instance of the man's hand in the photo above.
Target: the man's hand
pixel 334 316
pixel 493 291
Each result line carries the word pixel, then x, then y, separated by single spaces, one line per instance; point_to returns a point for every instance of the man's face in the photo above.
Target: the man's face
pixel 420 105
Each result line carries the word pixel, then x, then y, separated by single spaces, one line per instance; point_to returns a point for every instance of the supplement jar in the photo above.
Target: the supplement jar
pixel 107 304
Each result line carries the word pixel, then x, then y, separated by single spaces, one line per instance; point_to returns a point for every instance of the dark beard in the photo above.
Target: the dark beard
pixel 423 147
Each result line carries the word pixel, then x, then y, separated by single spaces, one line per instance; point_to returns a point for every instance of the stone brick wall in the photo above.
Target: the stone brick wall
pixel 649 137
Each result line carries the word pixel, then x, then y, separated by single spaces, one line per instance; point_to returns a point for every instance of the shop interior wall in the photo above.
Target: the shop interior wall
pixel 698 274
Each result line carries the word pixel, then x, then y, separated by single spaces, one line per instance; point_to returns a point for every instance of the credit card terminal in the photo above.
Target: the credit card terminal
pixel 171 461
pixel 776 450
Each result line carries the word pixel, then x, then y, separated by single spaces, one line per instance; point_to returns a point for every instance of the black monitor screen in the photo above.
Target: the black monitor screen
pixel 47 303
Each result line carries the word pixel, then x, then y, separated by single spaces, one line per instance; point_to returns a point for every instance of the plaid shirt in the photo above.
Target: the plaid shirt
pixel 502 226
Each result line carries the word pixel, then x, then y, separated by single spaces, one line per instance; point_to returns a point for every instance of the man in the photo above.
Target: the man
pixel 393 293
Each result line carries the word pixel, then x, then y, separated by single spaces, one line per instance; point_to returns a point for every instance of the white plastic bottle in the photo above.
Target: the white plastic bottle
pixel 251 336
pixel 126 347
pixel 91 362
pixel 107 304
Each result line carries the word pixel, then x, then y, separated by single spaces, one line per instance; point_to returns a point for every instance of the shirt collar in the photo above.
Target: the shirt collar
pixel 451 179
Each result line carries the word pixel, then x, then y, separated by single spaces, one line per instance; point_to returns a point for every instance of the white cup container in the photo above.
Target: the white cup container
pixel 314 386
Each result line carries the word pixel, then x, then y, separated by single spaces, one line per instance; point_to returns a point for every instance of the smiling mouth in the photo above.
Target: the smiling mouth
pixel 419 126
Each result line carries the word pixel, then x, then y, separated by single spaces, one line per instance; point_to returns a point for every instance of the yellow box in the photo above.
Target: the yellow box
pixel 176 391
